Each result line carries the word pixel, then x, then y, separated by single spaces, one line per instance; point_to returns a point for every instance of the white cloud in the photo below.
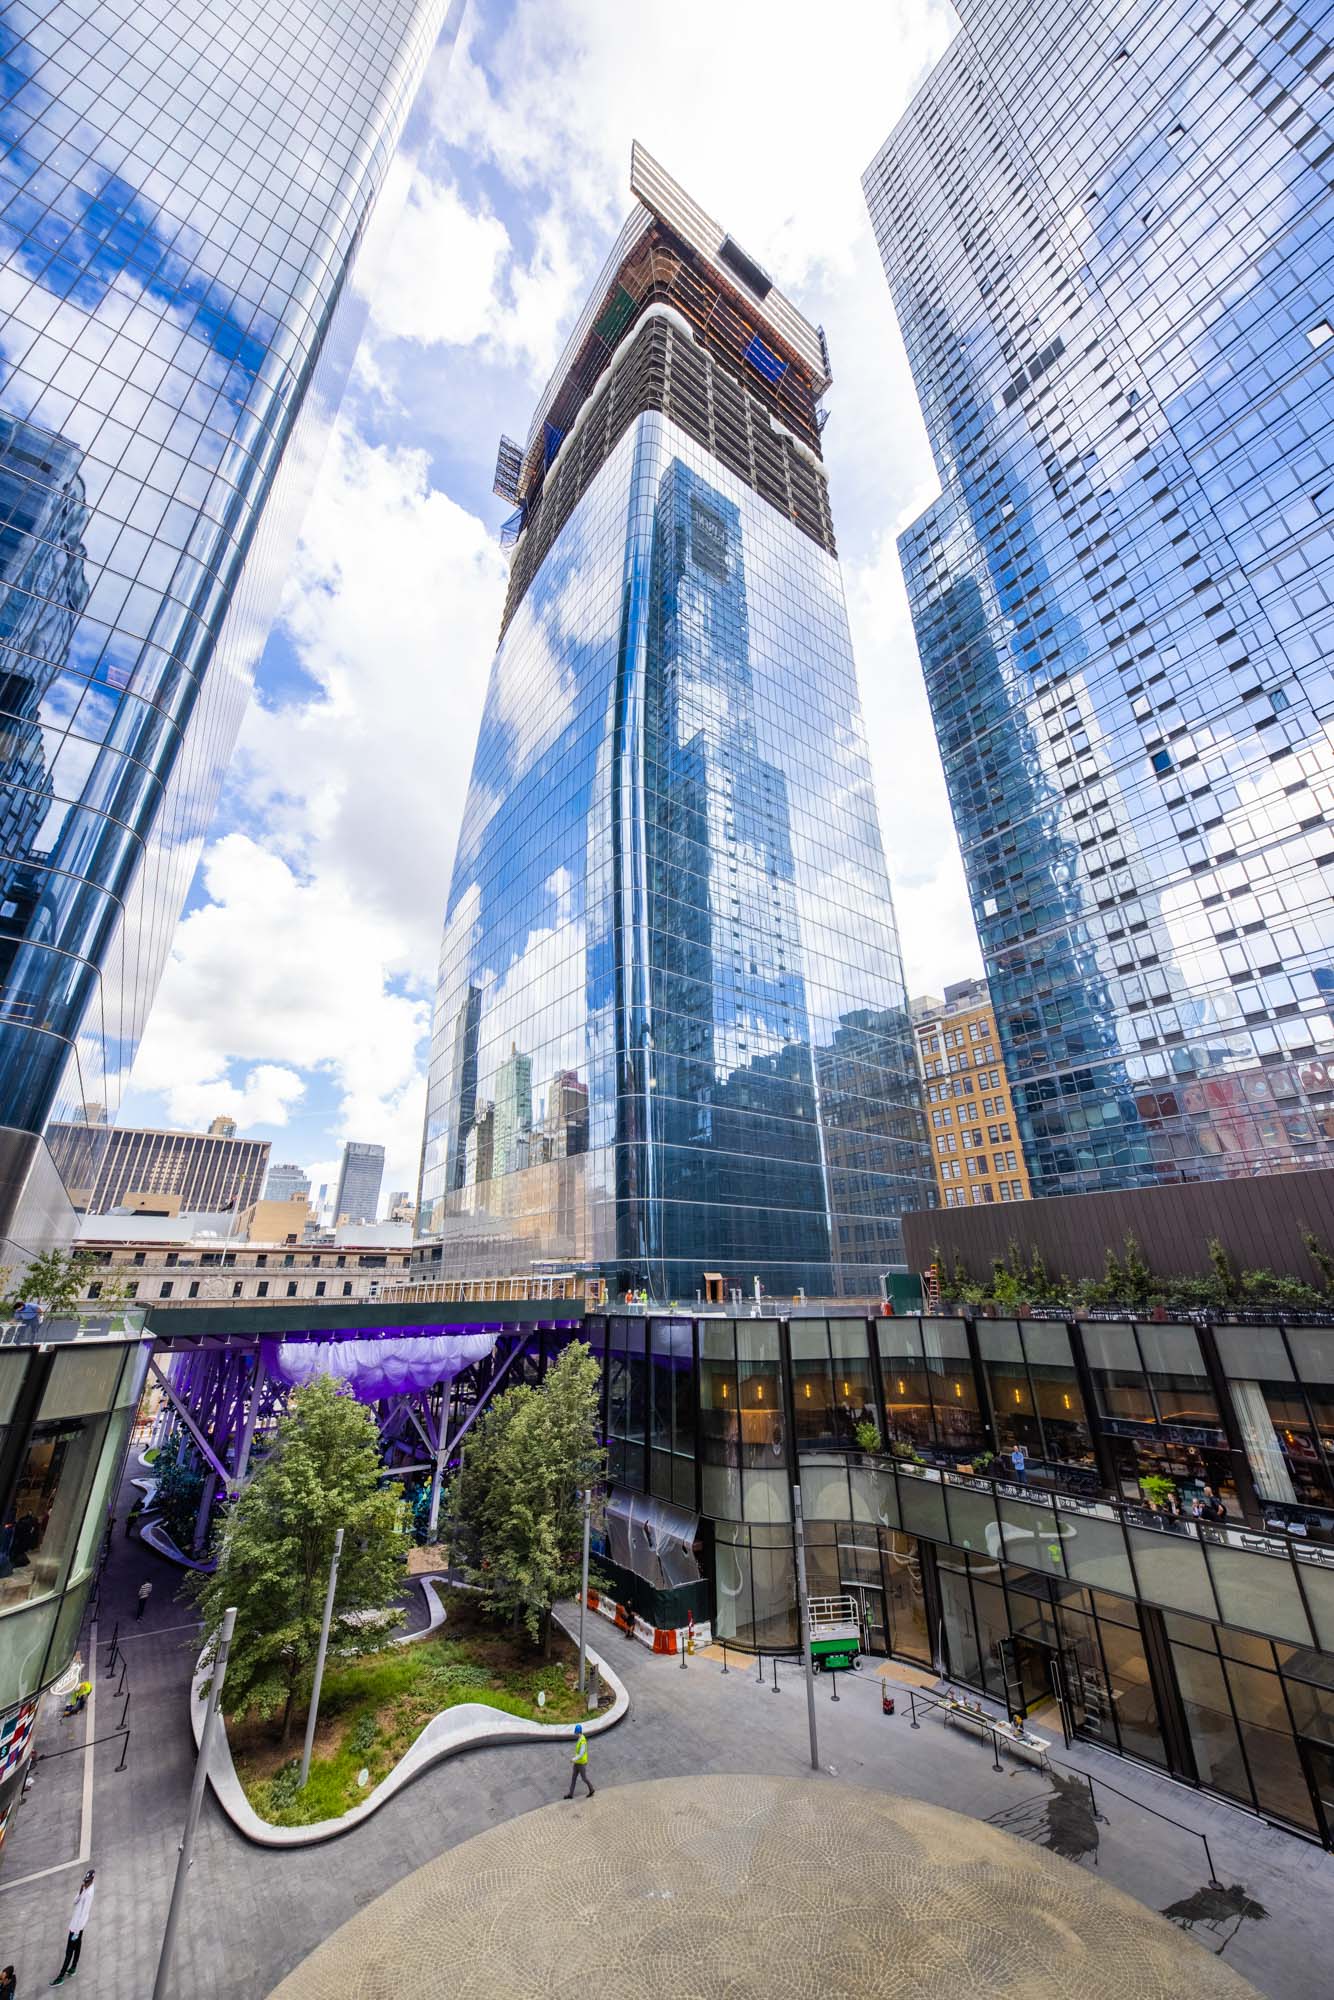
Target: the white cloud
pixel 930 896
pixel 267 1097
pixel 393 609
pixel 286 975
pixel 437 277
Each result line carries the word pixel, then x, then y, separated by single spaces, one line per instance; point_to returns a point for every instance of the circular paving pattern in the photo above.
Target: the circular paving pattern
pixel 736 1888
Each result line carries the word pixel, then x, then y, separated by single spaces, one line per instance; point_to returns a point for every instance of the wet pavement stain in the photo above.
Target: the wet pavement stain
pixel 1220 1910
pixel 1063 1820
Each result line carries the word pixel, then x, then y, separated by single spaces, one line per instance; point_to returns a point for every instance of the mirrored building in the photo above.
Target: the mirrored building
pixel 671 1033
pixel 1109 240
pixel 182 190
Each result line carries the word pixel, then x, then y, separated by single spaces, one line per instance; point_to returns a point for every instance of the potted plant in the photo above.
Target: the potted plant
pixel 867 1436
pixel 983 1462
pixel 1157 1488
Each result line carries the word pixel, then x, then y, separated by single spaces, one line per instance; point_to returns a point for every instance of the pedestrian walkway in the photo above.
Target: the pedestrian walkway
pixel 252 1915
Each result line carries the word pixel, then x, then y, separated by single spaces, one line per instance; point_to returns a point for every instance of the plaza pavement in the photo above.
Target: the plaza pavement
pixel 687 1888
pixel 251 1915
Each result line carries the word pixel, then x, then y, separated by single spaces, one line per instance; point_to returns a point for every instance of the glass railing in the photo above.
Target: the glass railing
pixel 89 1320
pixel 1274 1584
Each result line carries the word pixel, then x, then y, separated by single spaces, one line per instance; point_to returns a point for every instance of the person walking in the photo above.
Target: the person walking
pixel 79 1915
pixel 579 1761
pixel 145 1592
pixel 9 1985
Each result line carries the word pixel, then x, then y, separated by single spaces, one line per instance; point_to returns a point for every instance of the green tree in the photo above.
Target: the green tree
pixel 55 1282
pixel 1140 1281
pixel 276 1544
pixel 180 1485
pixel 1322 1258
pixel 514 1515
pixel 1225 1279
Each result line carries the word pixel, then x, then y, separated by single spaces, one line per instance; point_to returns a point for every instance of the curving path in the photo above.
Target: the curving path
pixel 754 1888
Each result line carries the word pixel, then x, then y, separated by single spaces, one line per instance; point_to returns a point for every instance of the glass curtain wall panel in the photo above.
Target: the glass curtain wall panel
pixel 1108 238
pixel 671 1036
pixel 182 191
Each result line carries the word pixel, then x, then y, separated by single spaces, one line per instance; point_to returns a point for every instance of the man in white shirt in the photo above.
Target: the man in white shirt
pixel 83 1909
pixel 145 1592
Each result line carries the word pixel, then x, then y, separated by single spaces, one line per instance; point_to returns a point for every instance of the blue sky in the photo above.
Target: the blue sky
pixel 298 995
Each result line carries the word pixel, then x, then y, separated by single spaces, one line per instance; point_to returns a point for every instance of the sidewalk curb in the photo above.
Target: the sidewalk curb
pixel 467 1726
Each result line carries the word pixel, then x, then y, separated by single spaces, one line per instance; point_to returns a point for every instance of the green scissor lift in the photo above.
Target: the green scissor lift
pixel 836 1638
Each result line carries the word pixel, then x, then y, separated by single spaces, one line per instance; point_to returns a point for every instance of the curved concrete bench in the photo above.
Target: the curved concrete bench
pixel 155 1534
pixel 468 1726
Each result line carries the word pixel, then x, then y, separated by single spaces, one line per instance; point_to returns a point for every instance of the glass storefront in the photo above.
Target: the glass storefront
pixel 1190 1644
pixel 67 1416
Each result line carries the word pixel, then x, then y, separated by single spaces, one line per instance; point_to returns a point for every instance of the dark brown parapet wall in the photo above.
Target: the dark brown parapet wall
pixel 1260 1223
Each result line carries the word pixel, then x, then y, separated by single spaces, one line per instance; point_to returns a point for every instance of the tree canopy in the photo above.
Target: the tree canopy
pixel 513 1512
pixel 274 1547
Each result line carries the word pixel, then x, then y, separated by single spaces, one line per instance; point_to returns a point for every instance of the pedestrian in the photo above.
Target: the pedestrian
pixel 1019 1464
pixel 9 1985
pixel 145 1592
pixel 579 1761
pixel 79 1915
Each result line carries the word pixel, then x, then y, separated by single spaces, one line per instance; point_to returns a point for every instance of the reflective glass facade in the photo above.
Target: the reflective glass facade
pixel 66 1407
pixel 1109 242
pixel 181 191
pixel 671 1034
pixel 1013 1529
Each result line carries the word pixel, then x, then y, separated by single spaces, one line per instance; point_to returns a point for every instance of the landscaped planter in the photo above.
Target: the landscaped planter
pixel 465 1726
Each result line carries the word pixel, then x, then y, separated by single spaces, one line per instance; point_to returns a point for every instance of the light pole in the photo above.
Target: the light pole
pixel 804 1617
pixel 583 1589
pixel 313 1717
pixel 196 1801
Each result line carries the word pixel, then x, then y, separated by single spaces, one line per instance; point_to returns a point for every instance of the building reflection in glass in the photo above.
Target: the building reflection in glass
pixel 1129 410
pixel 671 1027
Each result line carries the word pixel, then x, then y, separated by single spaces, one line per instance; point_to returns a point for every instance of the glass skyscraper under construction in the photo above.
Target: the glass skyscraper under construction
pixel 182 190
pixel 1109 236
pixel 671 1034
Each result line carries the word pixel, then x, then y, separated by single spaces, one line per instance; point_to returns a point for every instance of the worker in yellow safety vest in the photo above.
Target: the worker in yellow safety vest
pixel 579 1761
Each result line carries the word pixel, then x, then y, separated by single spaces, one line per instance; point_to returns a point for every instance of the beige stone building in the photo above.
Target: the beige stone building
pixel 975 1148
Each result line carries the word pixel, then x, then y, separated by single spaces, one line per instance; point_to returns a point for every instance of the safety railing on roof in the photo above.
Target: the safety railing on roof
pixel 481 1291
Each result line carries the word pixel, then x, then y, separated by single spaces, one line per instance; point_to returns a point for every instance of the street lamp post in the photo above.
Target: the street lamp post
pixel 804 1613
pixel 313 1717
pixel 196 1801
pixel 583 1588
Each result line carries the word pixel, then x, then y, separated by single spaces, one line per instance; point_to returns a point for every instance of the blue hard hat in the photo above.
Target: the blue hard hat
pixel 578 1728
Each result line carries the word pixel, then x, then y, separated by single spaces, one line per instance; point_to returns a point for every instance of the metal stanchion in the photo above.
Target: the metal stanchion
pixel 834 1678
pixel 759 1660
pixel 775 1688
pixel 683 1652
pixel 995 1750
pixel 912 1704
pixel 583 1588
pixel 804 1622
pixel 724 1656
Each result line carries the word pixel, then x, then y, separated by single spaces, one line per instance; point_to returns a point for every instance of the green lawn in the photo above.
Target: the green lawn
pixel 372 1709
